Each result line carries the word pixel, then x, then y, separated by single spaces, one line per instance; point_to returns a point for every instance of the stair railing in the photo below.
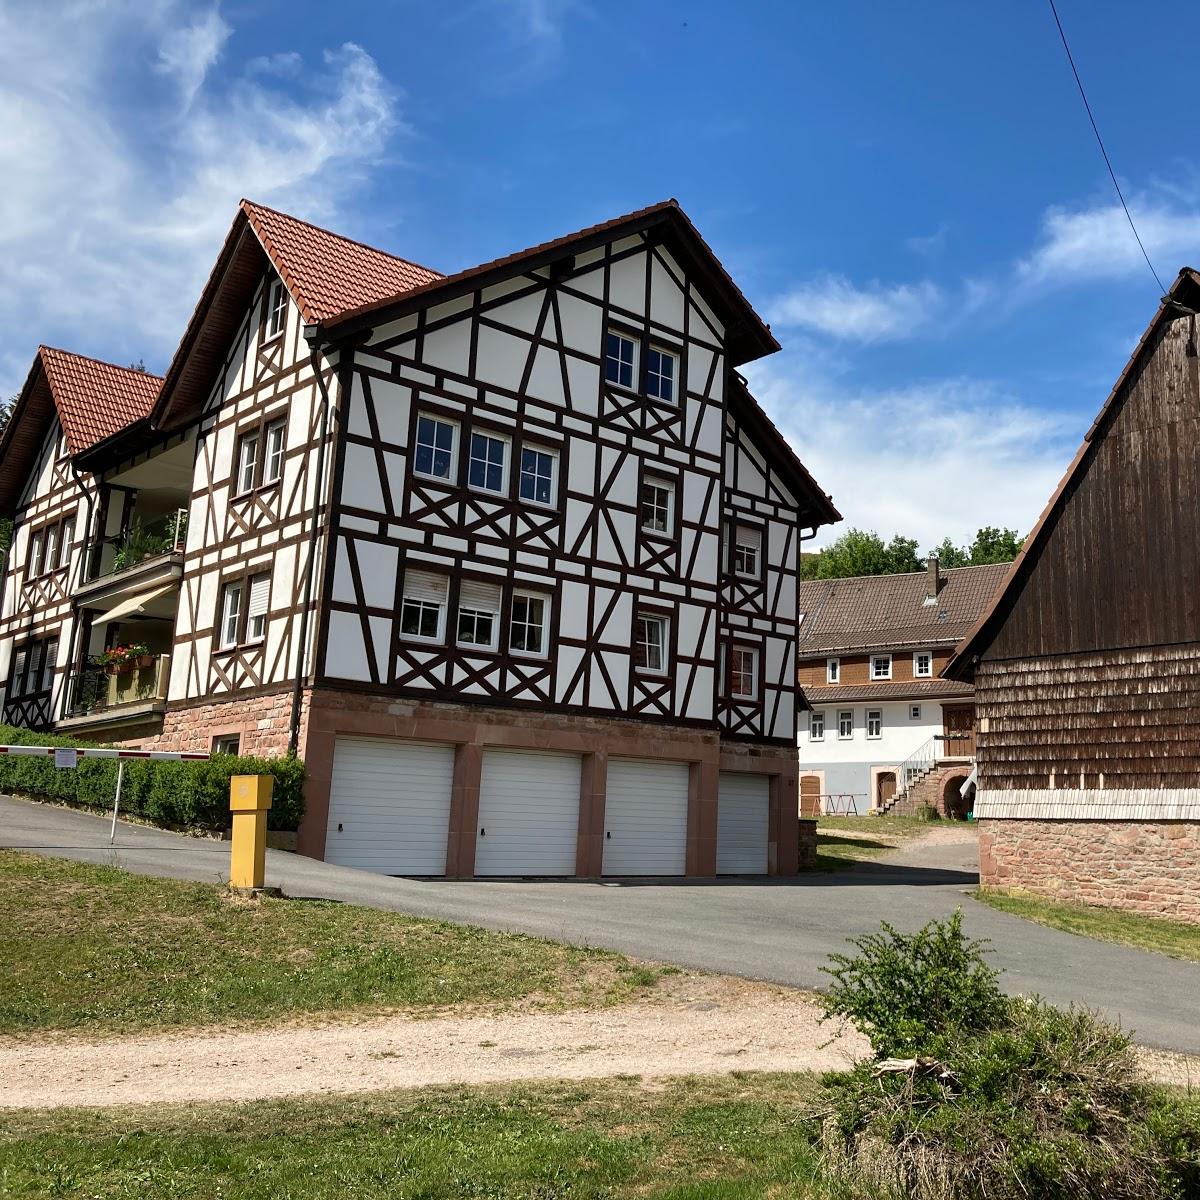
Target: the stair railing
pixel 915 767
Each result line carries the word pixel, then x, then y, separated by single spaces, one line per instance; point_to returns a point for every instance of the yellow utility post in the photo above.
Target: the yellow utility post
pixel 249 801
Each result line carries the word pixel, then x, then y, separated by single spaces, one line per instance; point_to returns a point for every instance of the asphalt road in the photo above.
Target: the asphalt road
pixel 779 930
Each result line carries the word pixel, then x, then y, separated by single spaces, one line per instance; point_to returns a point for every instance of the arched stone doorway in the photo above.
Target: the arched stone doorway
pixel 953 805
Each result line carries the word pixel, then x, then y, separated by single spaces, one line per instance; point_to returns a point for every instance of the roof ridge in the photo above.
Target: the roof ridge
pixel 903 574
pixel 247 203
pixel 100 362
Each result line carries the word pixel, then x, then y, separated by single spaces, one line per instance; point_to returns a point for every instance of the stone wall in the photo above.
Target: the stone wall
pixel 261 721
pixel 808 845
pixel 1149 867
pixel 931 792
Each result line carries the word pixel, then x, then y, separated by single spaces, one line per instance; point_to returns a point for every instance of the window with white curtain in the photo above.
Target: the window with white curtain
pixel 423 610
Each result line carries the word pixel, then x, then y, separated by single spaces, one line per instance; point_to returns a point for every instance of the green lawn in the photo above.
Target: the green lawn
pixel 1175 938
pixel 845 840
pixel 701 1139
pixel 96 949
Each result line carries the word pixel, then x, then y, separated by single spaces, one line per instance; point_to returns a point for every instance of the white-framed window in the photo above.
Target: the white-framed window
pixel 923 664
pixel 743 672
pixel 487 463
pixel 277 309
pixel 650 643
pixel 68 536
pixel 256 610
pixel 747 550
pixel 437 445
pixel 50 549
pixel 874 722
pixel 662 369
pixel 478 614
pixel 620 359
pixel 247 464
pixel 423 608
pixel 227 743
pixel 914 712
pixel 273 465
pixel 34 561
pixel 816 726
pixel 833 670
pixel 846 723
pixel 658 506
pixel 527 627
pixel 538 469
pixel 231 615
pixel 881 666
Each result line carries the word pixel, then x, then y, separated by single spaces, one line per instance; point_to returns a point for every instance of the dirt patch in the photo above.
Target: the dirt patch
pixel 704 1025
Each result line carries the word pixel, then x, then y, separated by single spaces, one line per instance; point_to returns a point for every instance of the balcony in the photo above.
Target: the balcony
pixel 100 695
pixel 128 572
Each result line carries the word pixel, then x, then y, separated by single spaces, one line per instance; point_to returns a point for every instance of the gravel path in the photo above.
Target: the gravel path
pixel 706 1026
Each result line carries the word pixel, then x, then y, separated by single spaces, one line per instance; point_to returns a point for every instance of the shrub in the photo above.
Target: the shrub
pixel 193 795
pixel 1002 1099
pixel 906 992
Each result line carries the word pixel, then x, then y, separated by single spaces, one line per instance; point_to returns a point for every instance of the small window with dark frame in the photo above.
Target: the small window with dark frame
pixel 276 434
pixel 743 672
pixel 277 309
pixel 914 712
pixel 650 643
pixel 487 464
pixel 747 549
pixel 527 625
pixel 662 367
pixel 231 615
pixel 658 505
pixel 227 743
pixel 620 359
pixel 422 611
pixel 816 726
pixel 434 455
pixel 537 475
pixel 846 723
pixel 874 723
pixel 478 614
pixel 49 655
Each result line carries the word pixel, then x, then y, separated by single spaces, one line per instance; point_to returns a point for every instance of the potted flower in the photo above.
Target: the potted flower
pixel 119 660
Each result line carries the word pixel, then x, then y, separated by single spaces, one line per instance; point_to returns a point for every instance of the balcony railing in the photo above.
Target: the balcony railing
pixel 97 690
pixel 164 535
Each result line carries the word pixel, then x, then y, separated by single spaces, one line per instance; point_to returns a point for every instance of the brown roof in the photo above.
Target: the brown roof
pixel 870 612
pixel 94 399
pixel 961 666
pixel 327 274
pixel 917 689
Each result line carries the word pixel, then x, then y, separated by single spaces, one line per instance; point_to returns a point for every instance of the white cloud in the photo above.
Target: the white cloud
pixel 118 189
pixel 930 459
pixel 878 312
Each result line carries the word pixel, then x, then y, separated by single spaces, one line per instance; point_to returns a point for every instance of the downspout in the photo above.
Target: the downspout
pixel 312 334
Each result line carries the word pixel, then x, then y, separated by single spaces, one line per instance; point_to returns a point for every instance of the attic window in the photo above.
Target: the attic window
pixel 277 309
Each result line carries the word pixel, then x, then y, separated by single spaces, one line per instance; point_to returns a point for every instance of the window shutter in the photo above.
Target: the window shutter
pixel 260 594
pixel 749 536
pixel 484 597
pixel 425 585
pixel 19 671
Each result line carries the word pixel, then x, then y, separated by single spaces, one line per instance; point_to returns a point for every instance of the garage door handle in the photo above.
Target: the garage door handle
pixel 608 833
pixel 483 833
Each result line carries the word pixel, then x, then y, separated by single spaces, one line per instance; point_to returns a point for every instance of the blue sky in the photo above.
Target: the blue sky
pixel 909 193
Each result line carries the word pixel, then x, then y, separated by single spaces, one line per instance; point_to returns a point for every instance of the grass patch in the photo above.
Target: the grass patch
pixel 842 841
pixel 1175 938
pixel 98 949
pixel 736 1136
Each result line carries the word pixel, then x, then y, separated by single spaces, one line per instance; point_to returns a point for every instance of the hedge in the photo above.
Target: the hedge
pixel 192 795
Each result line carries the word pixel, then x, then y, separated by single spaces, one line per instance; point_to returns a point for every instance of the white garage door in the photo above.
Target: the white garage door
pixel 528 813
pixel 389 806
pixel 645 817
pixel 743 807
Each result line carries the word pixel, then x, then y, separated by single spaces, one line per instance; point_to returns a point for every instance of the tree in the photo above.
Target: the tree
pixel 950 555
pixel 858 552
pixel 992 545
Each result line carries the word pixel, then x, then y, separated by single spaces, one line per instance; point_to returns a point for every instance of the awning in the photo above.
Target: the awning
pixel 143 604
pixel 970 781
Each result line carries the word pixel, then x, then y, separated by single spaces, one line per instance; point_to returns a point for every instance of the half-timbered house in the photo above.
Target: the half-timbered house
pixel 1086 667
pixel 508 556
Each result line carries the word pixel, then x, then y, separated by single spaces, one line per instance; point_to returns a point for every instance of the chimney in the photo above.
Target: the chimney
pixel 933 580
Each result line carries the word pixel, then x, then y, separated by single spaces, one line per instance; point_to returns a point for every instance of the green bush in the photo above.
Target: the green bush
pixel 906 992
pixel 194 795
pixel 996 1098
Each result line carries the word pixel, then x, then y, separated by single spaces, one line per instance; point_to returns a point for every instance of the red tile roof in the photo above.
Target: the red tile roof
pixel 95 399
pixel 326 273
pixel 917 689
pixel 874 612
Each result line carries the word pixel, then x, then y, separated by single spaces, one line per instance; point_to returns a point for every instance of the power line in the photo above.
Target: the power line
pixel 1100 142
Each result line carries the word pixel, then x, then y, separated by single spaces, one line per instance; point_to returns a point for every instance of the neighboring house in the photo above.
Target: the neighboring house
pixel 884 731
pixel 509 557
pixel 1087 665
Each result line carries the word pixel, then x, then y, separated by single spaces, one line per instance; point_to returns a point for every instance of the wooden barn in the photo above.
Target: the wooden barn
pixel 1086 666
